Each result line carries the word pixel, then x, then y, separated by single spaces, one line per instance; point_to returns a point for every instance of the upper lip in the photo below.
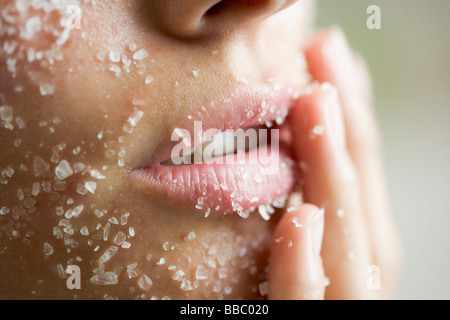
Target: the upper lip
pixel 239 106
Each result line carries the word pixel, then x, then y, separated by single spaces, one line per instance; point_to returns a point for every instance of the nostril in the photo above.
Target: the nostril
pixel 235 4
pixel 200 18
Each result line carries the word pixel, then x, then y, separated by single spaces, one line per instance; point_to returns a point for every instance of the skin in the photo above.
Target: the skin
pixel 82 121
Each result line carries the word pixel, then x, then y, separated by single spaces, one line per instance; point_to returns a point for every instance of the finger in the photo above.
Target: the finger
pixel 331 60
pixel 331 182
pixel 295 270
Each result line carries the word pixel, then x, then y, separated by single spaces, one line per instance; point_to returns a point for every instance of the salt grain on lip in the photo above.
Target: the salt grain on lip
pixel 263 212
pixel 135 117
pixel 318 130
pixel 114 56
pixel 140 55
pixel 97 174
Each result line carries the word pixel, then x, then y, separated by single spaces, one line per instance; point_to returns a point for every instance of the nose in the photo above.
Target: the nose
pixel 196 18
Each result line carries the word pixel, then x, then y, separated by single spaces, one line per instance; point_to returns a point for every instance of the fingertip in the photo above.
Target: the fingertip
pixel 296 270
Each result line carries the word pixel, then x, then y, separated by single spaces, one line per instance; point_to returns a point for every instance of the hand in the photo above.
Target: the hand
pixel 343 235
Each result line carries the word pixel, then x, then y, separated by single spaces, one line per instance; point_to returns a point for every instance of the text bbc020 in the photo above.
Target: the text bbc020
pixel 246 309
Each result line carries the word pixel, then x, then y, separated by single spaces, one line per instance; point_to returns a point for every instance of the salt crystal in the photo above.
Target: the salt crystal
pixel 36 189
pixel 61 271
pixel 106 278
pixel 222 273
pixel 149 79
pixel 48 249
pixel 77 210
pixel 132 47
pixel 166 246
pixel 84 231
pixel 20 194
pixel 106 232
pixel 178 275
pixel 113 220
pixel 78 167
pixel 29 203
pixel 186 285
pixel 161 261
pixel 81 189
pixel 145 282
pixel 63 170
pixel 32 26
pixel 296 223
pixel 40 166
pixel 47 89
pixel 227 290
pixel 115 68
pixel 4 211
pixel 131 232
pixel 217 286
pixel 140 55
pixel 120 238
pixel 59 211
pixel 132 266
pixel 76 150
pixel 124 218
pixel 263 212
pixel 195 72
pixel 191 235
pixel 6 113
pixel 126 245
pixel 318 130
pixel 263 288
pixel 201 273
pixel 132 274
pixel 278 240
pixel 114 56
pixel 91 186
pixel 128 128
pixel 135 117
pixel 108 254
pixel 279 203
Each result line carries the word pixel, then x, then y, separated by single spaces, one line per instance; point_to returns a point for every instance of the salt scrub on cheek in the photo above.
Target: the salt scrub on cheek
pixel 82 108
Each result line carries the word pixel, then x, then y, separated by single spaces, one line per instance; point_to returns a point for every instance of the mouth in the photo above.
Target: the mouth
pixel 235 159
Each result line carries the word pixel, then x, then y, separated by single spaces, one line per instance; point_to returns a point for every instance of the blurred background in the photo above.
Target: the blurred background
pixel 409 58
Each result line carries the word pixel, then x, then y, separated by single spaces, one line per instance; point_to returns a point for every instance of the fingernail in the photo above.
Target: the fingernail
pixel 333 115
pixel 317 227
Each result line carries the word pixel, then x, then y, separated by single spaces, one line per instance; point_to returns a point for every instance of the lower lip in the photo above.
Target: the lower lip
pixel 237 185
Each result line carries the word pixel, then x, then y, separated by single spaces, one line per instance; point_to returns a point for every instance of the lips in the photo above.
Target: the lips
pixel 260 178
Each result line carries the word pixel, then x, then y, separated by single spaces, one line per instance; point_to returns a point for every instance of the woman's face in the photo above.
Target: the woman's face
pixel 93 97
